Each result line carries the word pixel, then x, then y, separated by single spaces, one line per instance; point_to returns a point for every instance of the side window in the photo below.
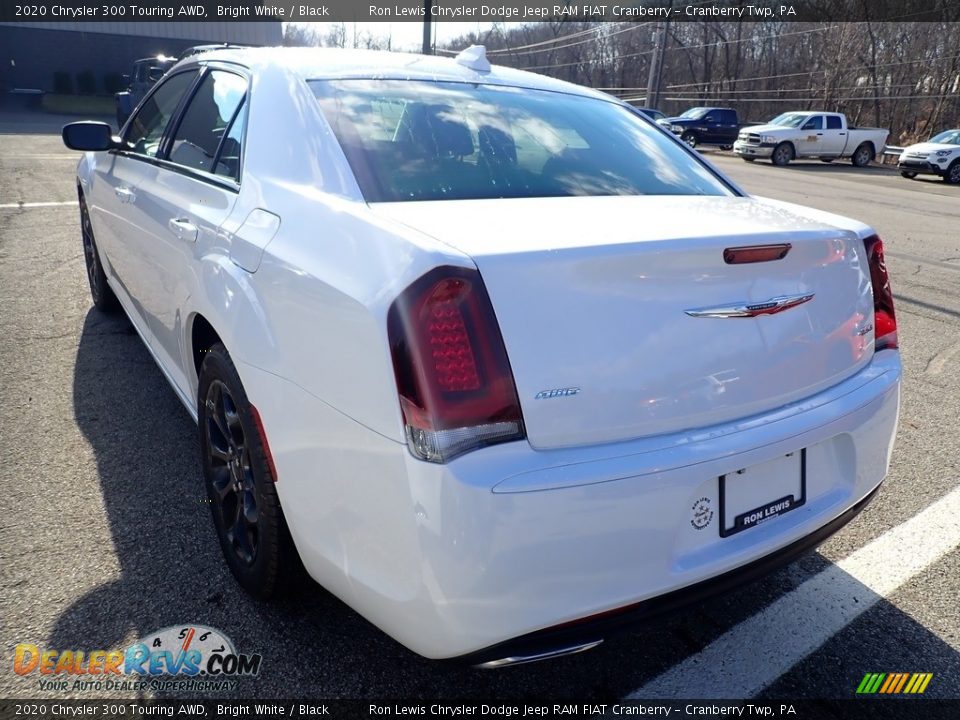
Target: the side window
pixel 814 123
pixel 146 129
pixel 231 149
pixel 833 122
pixel 204 122
pixel 729 117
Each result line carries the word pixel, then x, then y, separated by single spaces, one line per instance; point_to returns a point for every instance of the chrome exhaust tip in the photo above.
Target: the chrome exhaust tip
pixel 524 659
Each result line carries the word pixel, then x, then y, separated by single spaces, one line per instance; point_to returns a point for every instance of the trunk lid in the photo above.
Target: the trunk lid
pixel 591 296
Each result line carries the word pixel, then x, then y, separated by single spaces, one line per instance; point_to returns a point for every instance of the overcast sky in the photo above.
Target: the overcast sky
pixel 404 35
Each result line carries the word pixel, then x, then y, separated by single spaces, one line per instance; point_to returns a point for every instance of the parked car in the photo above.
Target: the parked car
pixel 822 135
pixel 651 113
pixel 706 126
pixel 435 360
pixel 940 155
pixel 144 75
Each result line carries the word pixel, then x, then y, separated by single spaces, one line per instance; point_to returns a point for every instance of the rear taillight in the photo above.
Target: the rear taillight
pixel 453 377
pixel 884 319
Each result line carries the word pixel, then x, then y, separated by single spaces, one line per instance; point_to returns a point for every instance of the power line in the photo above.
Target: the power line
pixel 582 42
pixel 718 43
pixel 721 91
pixel 560 38
pixel 811 72
pixel 868 98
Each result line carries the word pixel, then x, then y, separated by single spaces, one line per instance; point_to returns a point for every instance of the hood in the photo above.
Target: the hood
pixel 760 129
pixel 929 147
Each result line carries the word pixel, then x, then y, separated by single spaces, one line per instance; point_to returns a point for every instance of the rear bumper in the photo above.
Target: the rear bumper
pixel 590 630
pixel 504 544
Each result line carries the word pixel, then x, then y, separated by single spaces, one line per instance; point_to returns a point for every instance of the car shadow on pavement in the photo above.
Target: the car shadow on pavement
pixel 169 571
pixel 838 168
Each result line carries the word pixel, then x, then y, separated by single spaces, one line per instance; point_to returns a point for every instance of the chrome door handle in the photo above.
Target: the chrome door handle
pixel 183 229
pixel 126 195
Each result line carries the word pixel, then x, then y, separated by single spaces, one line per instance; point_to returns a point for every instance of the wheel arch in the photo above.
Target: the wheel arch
pixel 227 310
pixel 203 336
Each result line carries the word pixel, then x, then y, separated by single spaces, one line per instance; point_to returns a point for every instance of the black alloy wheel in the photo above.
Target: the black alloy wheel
pixel 953 174
pixel 231 474
pixel 100 292
pixel 244 503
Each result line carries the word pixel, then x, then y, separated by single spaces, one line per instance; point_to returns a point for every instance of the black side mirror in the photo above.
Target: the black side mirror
pixel 708 118
pixel 88 135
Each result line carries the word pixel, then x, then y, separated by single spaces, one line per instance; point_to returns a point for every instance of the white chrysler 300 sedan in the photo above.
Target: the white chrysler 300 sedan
pixel 498 361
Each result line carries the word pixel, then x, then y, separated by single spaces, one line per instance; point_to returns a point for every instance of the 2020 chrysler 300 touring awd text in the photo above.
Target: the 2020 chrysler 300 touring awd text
pixel 497 360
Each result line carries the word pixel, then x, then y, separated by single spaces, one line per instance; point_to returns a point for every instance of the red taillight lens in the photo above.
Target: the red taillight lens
pixel 453 377
pixel 884 319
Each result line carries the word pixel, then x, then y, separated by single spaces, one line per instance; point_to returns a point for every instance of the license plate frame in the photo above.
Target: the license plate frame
pixel 767 511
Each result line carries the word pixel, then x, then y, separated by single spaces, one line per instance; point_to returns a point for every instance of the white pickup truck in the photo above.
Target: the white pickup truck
pixel 808 134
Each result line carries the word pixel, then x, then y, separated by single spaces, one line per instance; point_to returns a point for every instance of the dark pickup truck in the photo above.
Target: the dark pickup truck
pixel 706 126
pixel 146 72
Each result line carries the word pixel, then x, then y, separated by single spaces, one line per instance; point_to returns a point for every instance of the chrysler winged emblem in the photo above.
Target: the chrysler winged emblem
pixel 752 309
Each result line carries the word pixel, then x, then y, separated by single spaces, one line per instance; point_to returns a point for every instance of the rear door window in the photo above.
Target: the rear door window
pixel 833 122
pixel 206 122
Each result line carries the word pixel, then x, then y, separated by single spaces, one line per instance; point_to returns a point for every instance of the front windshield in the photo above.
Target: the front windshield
pixel 695 113
pixel 950 137
pixel 792 120
pixel 420 140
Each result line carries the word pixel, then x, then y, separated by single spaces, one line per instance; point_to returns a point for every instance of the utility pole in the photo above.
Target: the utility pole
pixel 427 44
pixel 656 59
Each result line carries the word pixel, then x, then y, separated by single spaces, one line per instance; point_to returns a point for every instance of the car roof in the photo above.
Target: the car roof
pixel 336 63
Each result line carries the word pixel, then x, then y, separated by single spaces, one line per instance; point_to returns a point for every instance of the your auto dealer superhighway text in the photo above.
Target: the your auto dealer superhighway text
pixel 587 710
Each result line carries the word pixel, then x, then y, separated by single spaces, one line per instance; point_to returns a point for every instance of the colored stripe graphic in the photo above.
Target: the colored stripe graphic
pixel 894 683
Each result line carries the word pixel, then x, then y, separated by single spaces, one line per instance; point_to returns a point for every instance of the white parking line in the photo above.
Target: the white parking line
pixel 42 156
pixel 752 655
pixel 26 206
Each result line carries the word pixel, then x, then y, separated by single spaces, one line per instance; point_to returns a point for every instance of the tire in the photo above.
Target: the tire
pixel 101 293
pixel 247 517
pixel 690 138
pixel 862 156
pixel 782 154
pixel 726 147
pixel 952 176
pixel 907 174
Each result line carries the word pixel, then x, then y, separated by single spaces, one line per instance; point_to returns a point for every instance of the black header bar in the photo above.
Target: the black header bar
pixel 480 11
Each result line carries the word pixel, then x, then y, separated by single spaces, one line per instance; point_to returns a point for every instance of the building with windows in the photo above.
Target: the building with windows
pixel 33 53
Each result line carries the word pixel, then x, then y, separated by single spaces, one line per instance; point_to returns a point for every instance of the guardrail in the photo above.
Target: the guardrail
pixel 889 154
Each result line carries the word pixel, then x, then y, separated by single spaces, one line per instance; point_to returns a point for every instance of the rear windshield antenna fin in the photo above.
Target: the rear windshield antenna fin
pixel 475 58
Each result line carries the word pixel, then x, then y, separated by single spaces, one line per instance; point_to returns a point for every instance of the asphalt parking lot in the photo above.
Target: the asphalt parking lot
pixel 104 535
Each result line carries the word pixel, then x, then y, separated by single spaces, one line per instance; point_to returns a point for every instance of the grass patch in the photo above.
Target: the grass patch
pixel 78 104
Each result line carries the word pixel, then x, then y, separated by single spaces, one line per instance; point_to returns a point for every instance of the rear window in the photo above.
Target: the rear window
pixel 413 140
